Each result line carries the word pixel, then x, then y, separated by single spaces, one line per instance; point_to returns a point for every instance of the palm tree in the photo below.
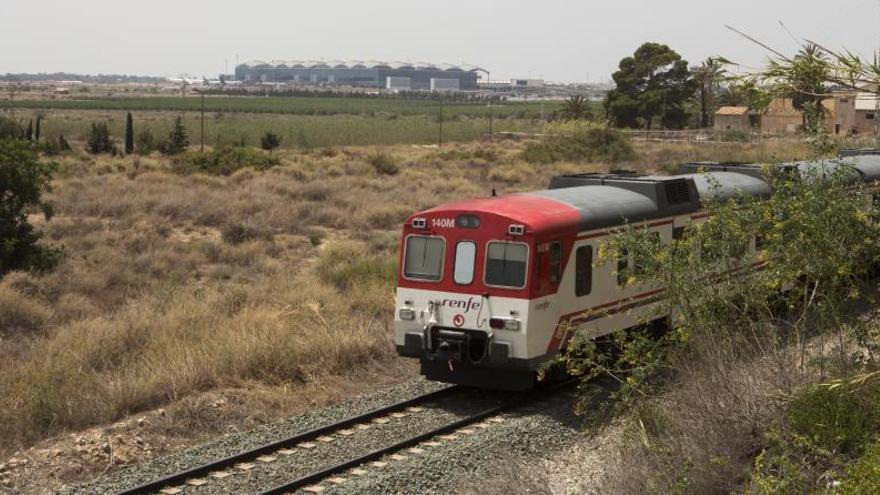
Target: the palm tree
pixel 576 107
pixel 708 77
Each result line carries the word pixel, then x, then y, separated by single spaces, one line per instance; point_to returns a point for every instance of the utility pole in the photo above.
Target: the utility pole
pixel 491 133
pixel 440 138
pixel 203 121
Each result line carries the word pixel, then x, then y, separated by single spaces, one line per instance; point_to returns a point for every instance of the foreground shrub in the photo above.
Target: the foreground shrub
pixel 579 142
pixel 221 161
pixel 835 419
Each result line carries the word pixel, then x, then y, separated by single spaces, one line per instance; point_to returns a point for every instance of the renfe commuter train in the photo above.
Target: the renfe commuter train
pixel 489 289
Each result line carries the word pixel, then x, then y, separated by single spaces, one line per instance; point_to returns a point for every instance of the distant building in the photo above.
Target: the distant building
pixel 527 84
pixel 865 113
pixel 359 74
pixel 845 113
pixel 445 84
pixel 780 118
pixel 398 83
pixel 732 119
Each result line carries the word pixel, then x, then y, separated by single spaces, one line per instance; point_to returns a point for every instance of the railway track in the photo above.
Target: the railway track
pixel 309 481
pixel 169 484
pixel 336 472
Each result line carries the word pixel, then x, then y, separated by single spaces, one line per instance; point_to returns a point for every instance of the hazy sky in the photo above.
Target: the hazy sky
pixel 554 39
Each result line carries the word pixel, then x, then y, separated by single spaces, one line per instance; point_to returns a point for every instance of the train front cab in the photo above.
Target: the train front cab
pixel 465 285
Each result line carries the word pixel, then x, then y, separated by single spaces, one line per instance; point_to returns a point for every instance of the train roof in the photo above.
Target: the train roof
pixel 594 201
pixel 727 185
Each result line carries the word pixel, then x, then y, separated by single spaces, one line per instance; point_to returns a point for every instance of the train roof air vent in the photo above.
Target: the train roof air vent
pixel 677 192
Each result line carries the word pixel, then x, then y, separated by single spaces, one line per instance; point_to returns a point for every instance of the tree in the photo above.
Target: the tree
pixel 145 143
pixel 707 78
pixel 37 128
pixel 577 107
pixel 803 79
pixel 270 141
pixel 99 139
pixel 652 84
pixel 129 134
pixel 177 140
pixel 63 145
pixel 29 133
pixel 23 179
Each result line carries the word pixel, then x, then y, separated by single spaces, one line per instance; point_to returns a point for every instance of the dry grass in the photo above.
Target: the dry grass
pixel 177 285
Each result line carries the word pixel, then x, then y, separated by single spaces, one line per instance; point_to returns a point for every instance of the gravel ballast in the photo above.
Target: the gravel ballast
pixel 533 432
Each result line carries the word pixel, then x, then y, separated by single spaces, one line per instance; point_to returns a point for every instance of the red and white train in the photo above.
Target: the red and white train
pixel 486 285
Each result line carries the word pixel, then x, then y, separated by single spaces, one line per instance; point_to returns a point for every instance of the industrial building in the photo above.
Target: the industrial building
pixel 399 76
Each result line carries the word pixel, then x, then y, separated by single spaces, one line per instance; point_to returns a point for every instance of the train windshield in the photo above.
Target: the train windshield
pixel 424 257
pixel 506 264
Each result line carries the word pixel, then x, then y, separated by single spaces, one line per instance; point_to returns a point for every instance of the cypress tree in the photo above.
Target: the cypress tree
pixel 129 134
pixel 29 133
pixel 37 129
pixel 63 145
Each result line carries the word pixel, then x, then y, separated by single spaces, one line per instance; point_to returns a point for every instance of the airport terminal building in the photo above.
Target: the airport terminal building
pixel 398 76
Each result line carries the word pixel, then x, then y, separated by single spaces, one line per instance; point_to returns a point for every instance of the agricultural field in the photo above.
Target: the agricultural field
pixel 318 104
pixel 216 301
pixel 296 131
pixel 303 122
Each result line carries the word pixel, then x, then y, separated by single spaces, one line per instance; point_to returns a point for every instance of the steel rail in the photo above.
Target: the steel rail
pixel 322 474
pixel 204 469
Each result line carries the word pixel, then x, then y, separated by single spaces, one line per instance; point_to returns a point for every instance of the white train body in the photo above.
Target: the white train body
pixel 490 289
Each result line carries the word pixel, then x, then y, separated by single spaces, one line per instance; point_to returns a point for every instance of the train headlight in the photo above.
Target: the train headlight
pixel 407 314
pixel 512 325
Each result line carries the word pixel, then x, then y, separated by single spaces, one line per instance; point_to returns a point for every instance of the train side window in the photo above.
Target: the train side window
pixel 639 265
pixel 555 262
pixel 760 242
pixel 583 265
pixel 622 266
pixel 506 264
pixel 465 256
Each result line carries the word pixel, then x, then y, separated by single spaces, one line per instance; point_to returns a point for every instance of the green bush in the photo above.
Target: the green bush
pixel 10 129
pixel 221 161
pixel 863 477
pixel 237 233
pixel 347 264
pixel 577 142
pixel 23 180
pixel 835 419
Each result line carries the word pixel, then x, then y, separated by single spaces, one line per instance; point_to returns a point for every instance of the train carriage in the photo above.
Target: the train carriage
pixel 490 288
